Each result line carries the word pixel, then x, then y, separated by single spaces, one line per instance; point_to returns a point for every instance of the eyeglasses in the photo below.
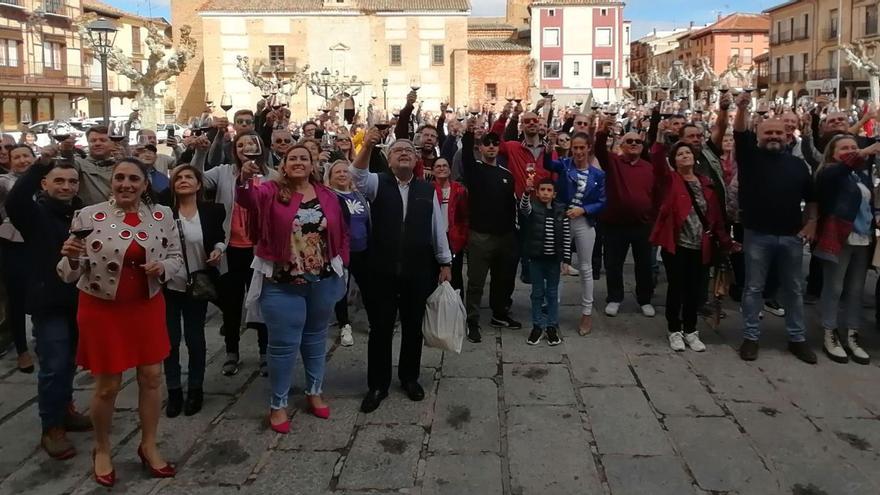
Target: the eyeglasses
pixel 244 121
pixel 283 141
pixel 530 120
pixel 491 143
pixel 582 122
pixel 636 142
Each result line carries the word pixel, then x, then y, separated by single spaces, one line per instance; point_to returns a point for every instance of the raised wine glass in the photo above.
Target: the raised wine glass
pixel 26 120
pixel 209 101
pixel 252 147
pixel 117 131
pixel 226 102
pixel 415 83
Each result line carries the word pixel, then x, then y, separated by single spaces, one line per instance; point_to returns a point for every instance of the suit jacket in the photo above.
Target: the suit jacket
pixel 107 244
pixel 212 217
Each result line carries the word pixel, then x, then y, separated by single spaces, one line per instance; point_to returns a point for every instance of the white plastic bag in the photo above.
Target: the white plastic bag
pixel 445 319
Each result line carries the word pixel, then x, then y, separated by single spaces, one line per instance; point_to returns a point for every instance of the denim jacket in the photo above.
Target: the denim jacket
pixel 593 200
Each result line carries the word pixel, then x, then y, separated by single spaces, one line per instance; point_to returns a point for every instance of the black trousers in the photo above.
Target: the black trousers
pixel 233 286
pixel 685 273
pixel 357 268
pixel 389 295
pixel 598 249
pixel 618 240
pixel 15 277
pixel 457 269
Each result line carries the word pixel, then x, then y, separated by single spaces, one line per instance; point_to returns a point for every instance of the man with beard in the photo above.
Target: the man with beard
pixel 772 185
pixel 43 218
pixel 407 243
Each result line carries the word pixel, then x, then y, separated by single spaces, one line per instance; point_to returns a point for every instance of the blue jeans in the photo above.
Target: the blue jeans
pixel 180 306
pixel 544 273
pixel 842 289
pixel 787 252
pixel 297 317
pixel 56 336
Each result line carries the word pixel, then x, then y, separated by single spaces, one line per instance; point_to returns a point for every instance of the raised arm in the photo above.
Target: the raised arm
pixel 366 182
pixel 721 121
pixel 401 130
pixel 468 161
pixel 741 121
pixel 20 204
pixel 600 147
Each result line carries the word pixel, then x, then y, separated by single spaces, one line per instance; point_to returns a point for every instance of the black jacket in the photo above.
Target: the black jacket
pixel 44 223
pixel 211 216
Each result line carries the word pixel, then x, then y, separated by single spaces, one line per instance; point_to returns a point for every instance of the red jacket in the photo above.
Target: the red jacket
pixel 676 205
pixel 629 186
pixel 518 156
pixel 458 217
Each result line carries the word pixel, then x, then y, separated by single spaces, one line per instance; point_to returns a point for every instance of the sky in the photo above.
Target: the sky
pixel 645 14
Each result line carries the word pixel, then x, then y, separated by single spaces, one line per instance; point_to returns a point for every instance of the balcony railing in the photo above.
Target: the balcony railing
pixel 16 3
pixel 846 73
pixel 763 80
pixel 800 33
pixel 57 7
pixel 50 78
pixel 830 34
pixel 788 77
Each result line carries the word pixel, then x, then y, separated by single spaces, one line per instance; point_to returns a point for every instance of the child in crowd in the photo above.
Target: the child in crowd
pixel 548 243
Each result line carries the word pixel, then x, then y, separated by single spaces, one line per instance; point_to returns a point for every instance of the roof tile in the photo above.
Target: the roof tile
pixel 319 5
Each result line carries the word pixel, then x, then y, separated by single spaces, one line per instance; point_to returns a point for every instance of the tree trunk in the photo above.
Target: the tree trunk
pixel 874 80
pixel 690 86
pixel 151 107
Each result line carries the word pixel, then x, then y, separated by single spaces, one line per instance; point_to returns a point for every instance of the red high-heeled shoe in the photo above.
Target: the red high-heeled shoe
pixel 107 480
pixel 166 471
pixel 283 428
pixel 319 412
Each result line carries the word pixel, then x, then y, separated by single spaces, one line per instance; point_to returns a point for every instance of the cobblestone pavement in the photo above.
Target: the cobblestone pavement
pixel 615 412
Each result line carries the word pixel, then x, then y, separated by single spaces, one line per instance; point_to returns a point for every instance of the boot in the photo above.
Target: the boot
pixel 175 402
pixel 832 347
pixel 54 441
pixel 854 349
pixel 193 404
pixel 76 421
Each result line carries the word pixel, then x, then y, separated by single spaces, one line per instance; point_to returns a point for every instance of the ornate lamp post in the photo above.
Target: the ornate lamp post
pixel 332 85
pixel 385 93
pixel 103 34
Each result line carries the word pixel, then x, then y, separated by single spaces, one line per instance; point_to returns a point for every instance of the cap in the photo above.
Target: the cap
pixel 490 138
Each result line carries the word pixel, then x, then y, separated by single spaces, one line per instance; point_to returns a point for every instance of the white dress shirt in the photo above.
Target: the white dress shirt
pixel 368 184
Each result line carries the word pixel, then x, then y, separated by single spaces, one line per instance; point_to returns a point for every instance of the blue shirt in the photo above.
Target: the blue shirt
pixel 359 226
pixel 159 181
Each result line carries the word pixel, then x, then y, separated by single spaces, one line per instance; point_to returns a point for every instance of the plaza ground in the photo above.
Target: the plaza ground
pixel 616 412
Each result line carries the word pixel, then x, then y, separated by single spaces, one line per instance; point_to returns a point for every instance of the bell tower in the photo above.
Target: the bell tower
pixel 518 12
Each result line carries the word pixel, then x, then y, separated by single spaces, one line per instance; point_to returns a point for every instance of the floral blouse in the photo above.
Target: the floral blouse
pixel 309 257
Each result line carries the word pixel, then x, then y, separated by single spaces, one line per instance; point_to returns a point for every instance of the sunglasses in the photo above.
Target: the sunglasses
pixel 637 142
pixel 529 121
pixel 491 143
pixel 244 122
pixel 582 122
pixel 283 141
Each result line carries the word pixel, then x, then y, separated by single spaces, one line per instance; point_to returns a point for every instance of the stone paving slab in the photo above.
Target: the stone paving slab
pixel 465 473
pixel 672 387
pixel 383 457
pixel 719 456
pixel 623 422
pixel 598 360
pixel 295 472
pixel 229 453
pixel 475 361
pixel 399 409
pixel 537 384
pixel 310 433
pixel 640 475
pixel 466 417
pixel 549 452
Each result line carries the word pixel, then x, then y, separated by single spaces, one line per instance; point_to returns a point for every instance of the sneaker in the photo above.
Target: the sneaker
pixel 55 442
pixel 748 351
pixel 345 338
pixel 648 310
pixel 505 322
pixel 553 336
pixel 774 308
pixel 693 341
pixel 473 333
pixel 802 351
pixel 570 270
pixel 833 349
pixel 230 366
pixel 676 341
pixel 854 349
pixel 612 308
pixel 535 335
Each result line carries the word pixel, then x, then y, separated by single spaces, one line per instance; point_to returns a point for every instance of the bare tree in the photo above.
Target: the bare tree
pixel 861 56
pixel 161 65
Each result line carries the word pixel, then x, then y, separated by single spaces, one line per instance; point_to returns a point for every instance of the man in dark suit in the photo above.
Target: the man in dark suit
pixel 407 244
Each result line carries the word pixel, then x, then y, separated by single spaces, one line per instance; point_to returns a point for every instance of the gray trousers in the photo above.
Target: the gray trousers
pixel 495 254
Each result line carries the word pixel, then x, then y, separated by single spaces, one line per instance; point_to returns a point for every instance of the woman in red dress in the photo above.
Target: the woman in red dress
pixel 120 253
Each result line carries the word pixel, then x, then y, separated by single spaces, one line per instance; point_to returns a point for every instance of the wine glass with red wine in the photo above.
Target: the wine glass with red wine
pixel 226 102
pixel 117 131
pixel 252 148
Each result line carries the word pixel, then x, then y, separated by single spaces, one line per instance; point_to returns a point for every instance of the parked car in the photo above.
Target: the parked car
pixel 162 131
pixel 41 129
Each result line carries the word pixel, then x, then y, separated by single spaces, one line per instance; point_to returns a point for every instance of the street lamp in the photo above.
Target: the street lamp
pixel 102 33
pixel 325 81
pixel 385 93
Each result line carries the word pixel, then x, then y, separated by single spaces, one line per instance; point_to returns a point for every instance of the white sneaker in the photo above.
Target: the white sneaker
pixel 572 271
pixel 648 310
pixel 694 342
pixel 612 308
pixel 832 347
pixel 676 341
pixel 855 350
pixel 345 336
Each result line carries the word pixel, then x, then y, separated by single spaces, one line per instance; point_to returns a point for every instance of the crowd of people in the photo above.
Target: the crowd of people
pixel 117 251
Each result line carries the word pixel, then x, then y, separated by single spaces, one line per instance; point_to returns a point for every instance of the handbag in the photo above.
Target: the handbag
pixel 709 244
pixel 201 285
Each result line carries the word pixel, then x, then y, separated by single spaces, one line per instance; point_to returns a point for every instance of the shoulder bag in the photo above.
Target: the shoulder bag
pixel 201 285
